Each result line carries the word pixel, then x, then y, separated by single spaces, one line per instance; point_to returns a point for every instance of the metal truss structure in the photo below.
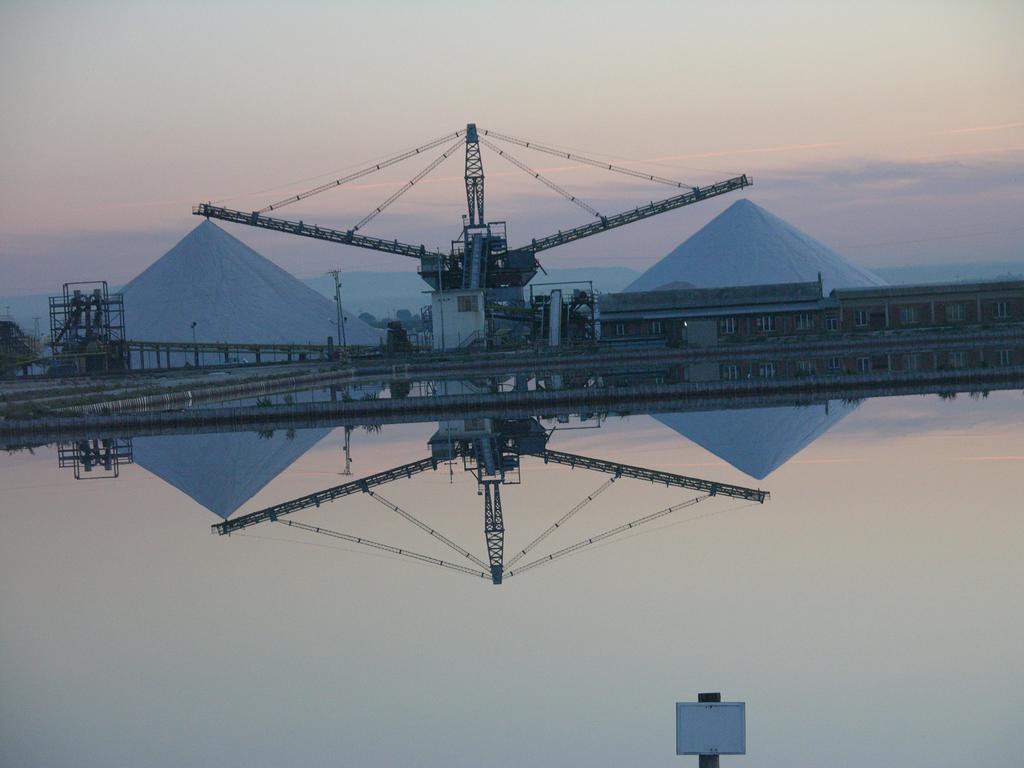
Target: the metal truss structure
pixel 95 459
pixel 481 258
pixel 87 327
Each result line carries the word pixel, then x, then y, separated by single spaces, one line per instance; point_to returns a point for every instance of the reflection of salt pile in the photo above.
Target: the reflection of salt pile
pixel 222 471
pixel 232 294
pixel 759 440
pixel 747 245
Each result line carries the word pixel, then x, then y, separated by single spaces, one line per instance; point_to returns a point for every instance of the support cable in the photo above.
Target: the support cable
pixel 604 487
pixel 587 160
pixel 607 534
pixel 385 547
pixel 364 172
pixel 423 526
pixel 547 182
pixel 408 185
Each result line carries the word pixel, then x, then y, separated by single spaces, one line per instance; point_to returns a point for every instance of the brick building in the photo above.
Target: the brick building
pixel 713 316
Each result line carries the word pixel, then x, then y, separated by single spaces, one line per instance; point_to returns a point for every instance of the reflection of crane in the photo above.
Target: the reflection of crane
pixel 481 258
pixel 492 466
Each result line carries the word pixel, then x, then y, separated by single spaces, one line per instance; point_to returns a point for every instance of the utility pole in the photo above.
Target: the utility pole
pixel 337 300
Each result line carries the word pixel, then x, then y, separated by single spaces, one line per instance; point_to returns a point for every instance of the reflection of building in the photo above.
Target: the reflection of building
pixel 718 316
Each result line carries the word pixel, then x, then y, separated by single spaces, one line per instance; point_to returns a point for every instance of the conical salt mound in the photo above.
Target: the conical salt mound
pixel 223 471
pixel 232 294
pixel 747 245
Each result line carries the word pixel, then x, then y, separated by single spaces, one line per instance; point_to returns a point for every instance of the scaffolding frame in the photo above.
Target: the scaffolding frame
pixel 87 327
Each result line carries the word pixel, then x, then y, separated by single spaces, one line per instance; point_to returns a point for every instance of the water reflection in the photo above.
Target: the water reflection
pixel 222 452
pixel 759 440
pixel 877 535
pixel 223 471
pixel 95 459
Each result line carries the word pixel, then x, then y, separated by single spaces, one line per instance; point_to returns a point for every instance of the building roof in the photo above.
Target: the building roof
pixel 703 298
pixel 927 289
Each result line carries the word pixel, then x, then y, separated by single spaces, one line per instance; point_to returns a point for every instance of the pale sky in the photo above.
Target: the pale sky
pixel 891 131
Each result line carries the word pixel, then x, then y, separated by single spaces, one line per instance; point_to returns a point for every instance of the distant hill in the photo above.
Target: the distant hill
pixel 381 293
pixel 951 273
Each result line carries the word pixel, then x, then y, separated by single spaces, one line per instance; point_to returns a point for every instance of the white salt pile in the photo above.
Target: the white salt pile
pixel 232 294
pixel 223 471
pixel 747 245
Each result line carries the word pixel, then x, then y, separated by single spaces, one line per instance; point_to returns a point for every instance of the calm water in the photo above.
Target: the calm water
pixel 870 609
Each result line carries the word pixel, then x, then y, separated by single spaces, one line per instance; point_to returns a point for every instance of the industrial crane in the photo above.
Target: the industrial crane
pixel 481 258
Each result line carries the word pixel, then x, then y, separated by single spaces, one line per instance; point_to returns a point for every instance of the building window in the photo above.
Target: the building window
pixel 860 318
pixel 656 327
pixel 958 359
pixel 835 364
pixel 863 365
pixel 1000 310
pixel 806 367
pixel 766 323
pixel 804 321
pixel 1006 357
pixel 727 326
pixel 911 362
pixel 831 323
pixel 908 315
pixel 954 312
pixel 468 304
pixel 620 329
pixel 767 370
pixel 730 372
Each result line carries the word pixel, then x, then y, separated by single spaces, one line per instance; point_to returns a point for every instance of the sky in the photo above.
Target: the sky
pixel 891 131
pixel 865 613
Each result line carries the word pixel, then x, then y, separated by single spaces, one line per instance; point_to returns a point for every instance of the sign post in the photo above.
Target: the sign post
pixel 711 727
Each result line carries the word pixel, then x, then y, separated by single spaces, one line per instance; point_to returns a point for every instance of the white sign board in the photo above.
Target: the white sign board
pixel 711 728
